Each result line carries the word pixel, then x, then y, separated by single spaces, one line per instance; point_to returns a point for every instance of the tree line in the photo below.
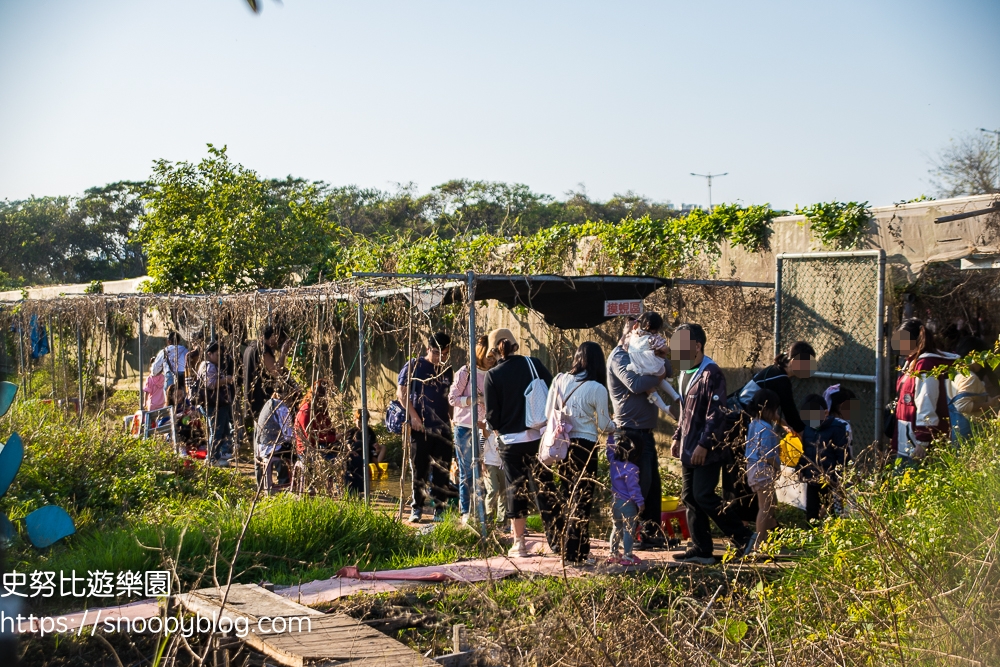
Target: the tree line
pixel 196 225
pixel 216 225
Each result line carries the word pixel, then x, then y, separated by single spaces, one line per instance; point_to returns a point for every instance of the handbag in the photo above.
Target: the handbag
pixel 535 397
pixel 395 417
pixel 555 439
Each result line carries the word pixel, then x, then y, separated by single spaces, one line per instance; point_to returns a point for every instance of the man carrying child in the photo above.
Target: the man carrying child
pixel 636 417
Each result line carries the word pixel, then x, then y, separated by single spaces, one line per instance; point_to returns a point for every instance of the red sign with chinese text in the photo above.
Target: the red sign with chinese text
pixel 623 307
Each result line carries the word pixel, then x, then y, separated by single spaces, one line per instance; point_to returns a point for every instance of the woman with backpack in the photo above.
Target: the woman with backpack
pixel 171 361
pixel 514 392
pixel 579 400
pixel 921 399
pixel 798 362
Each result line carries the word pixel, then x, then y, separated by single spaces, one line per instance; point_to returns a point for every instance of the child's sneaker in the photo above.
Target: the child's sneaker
pixel 613 559
pixel 630 561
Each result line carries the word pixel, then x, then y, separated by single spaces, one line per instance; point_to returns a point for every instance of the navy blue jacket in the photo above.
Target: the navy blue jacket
pixel 824 449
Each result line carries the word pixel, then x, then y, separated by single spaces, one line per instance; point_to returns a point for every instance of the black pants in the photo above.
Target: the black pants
pixel 703 503
pixel 816 498
pixel 282 465
pixel 355 473
pixel 740 499
pixel 649 480
pixel 520 463
pixel 576 499
pixel 430 459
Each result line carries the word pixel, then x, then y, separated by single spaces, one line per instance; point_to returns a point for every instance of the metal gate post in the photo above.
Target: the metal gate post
pixel 777 305
pixel 364 398
pixel 473 382
pixel 139 347
pixel 880 347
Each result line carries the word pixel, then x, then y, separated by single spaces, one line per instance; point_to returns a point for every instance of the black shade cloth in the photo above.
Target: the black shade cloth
pixel 565 302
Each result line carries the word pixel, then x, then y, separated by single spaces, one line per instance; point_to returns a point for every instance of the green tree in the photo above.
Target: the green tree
pixel 216 226
pixel 462 206
pixel 71 240
pixel 373 211
pixel 108 218
pixel 37 243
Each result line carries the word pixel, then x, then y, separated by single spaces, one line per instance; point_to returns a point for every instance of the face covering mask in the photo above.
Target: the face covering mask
pixel 815 422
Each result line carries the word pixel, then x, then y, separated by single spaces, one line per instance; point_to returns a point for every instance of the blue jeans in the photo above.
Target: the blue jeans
pixel 961 427
pixel 463 457
pixel 624 514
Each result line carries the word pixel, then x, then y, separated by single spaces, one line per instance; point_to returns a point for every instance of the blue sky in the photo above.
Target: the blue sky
pixel 798 101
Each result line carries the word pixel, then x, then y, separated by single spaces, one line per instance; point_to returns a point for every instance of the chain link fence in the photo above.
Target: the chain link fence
pixel 835 301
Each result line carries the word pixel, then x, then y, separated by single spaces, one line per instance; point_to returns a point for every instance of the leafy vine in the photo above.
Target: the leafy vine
pixel 838 224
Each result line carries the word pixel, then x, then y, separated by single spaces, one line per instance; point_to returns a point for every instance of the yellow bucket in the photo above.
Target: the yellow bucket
pixel 791 450
pixel 669 503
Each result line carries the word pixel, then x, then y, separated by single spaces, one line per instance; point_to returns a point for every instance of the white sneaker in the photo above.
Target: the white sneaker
pixel 465 519
pixel 519 549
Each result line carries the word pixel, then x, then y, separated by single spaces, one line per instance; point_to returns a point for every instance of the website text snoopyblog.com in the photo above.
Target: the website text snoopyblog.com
pixel 187 626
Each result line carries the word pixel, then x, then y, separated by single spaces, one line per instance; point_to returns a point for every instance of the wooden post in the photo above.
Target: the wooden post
pixel 52 358
pixel 22 361
pixel 107 361
pixel 79 369
pixel 458 641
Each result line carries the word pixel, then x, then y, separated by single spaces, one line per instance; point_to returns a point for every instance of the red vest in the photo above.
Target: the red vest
pixel 906 389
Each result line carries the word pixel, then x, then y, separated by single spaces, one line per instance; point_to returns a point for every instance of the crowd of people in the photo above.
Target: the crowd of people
pixel 284 422
pixel 729 444
pixel 728 441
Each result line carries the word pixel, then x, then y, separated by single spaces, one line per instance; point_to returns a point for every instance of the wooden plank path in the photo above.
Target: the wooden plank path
pixel 320 640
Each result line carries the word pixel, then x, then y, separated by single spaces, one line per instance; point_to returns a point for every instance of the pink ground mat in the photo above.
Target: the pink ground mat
pixel 540 562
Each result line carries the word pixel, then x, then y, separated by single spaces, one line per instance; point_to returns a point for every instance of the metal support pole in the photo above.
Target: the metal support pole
pixel 79 372
pixel 880 347
pixel 139 347
pixel 777 306
pixel 474 382
pixel 364 397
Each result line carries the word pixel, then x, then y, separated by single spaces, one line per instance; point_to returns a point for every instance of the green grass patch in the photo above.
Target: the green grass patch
pixel 138 507
pixel 288 540
pixel 100 474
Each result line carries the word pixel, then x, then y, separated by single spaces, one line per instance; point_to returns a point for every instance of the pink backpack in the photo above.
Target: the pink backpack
pixel 555 438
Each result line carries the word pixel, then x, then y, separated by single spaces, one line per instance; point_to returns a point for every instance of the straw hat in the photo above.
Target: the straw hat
pixel 498 335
